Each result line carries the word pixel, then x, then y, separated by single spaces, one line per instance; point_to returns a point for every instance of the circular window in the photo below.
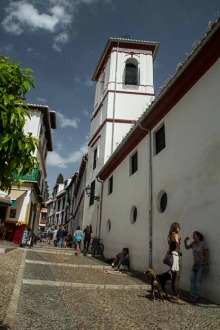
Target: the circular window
pixel 133 214
pixel 109 225
pixel 162 201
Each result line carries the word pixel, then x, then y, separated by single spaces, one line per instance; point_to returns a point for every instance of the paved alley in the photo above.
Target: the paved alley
pixel 57 290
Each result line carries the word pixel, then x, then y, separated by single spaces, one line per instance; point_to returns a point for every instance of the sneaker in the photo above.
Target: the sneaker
pixel 177 300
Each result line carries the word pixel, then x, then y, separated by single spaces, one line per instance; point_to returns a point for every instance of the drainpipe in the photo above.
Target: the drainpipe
pixel 100 208
pixel 114 101
pixel 150 244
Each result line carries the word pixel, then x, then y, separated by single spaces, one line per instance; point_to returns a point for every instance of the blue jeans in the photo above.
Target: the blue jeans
pixel 195 281
pixel 60 242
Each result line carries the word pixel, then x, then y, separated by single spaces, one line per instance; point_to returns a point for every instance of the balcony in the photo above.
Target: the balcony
pixel 34 176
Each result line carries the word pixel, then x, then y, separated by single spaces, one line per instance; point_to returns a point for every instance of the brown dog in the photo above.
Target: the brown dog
pixel 158 282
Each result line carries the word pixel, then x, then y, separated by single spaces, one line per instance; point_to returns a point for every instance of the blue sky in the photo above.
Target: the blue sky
pixel 62 41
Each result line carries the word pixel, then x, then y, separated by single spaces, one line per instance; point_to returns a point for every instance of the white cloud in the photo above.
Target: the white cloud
pixel 53 16
pixel 59 146
pixel 86 113
pixel 22 15
pixel 63 121
pixel 42 100
pixel 89 83
pixel 7 48
pixel 82 81
pixel 60 40
pixel 56 160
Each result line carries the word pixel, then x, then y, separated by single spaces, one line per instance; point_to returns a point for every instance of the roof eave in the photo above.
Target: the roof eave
pixel 117 42
pixel 164 102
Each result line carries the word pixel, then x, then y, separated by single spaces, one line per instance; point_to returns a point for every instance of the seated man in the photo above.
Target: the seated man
pixel 121 260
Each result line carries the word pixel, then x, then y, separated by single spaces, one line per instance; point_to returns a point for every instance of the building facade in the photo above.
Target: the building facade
pixel 124 89
pixel 167 170
pixel 27 200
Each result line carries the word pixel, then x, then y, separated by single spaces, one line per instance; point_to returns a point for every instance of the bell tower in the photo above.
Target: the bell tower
pixel 124 90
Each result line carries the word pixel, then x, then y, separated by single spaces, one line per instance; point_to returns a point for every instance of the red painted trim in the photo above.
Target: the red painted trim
pixel 99 107
pixel 130 53
pixel 110 120
pixel 152 47
pixel 92 145
pixel 194 70
pixel 96 133
pixel 122 83
pixel 117 92
pixel 136 93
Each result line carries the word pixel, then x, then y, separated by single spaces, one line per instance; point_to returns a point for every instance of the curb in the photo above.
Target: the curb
pixel 10 317
pixel 86 286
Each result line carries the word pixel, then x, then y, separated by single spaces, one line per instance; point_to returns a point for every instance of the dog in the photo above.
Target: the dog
pixel 158 282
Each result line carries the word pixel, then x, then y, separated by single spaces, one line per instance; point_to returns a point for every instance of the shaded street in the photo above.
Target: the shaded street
pixel 59 290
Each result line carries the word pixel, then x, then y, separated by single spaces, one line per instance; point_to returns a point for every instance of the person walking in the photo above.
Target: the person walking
pixel 54 240
pixel 78 234
pixel 87 235
pixel 176 269
pixel 60 237
pixel 201 262
pixel 65 235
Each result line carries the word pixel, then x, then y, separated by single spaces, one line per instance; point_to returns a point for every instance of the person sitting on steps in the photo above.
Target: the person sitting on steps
pixel 121 260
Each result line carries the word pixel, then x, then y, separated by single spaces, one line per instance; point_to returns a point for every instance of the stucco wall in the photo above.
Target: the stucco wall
pixel 188 170
pixel 128 191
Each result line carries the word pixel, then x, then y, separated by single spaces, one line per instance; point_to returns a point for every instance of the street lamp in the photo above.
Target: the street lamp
pixel 88 193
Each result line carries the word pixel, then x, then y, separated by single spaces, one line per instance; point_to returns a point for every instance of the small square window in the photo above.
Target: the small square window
pixel 94 158
pixel 159 137
pixel 134 163
pixel 110 185
pixel 12 213
pixel 92 193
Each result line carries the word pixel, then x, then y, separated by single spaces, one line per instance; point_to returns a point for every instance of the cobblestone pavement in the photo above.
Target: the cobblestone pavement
pixel 64 291
pixel 9 265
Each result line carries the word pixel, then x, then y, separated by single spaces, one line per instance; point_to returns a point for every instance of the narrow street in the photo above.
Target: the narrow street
pixel 57 290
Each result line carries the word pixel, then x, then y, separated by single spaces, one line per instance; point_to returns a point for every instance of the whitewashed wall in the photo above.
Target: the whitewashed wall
pixel 121 105
pixel 79 204
pixel 188 169
pixel 21 206
pixel 128 191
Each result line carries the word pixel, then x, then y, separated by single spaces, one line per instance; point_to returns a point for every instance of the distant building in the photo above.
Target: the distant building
pixel 57 205
pixel 43 219
pixel 27 201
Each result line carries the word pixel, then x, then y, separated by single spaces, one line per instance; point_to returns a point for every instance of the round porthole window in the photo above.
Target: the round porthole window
pixel 133 214
pixel 162 201
pixel 109 225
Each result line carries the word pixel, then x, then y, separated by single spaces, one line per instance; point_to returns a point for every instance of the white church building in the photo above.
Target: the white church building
pixel 154 161
pixel 124 89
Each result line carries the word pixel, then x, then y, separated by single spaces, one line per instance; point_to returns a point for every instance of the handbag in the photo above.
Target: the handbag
pixel 168 259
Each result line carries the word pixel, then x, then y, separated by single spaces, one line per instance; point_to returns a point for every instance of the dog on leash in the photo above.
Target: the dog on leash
pixel 158 282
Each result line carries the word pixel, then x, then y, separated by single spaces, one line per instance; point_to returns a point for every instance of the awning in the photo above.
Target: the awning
pixel 5 200
pixel 15 194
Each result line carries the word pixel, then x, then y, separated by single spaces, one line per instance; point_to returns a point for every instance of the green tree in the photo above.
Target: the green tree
pixel 60 178
pixel 16 147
